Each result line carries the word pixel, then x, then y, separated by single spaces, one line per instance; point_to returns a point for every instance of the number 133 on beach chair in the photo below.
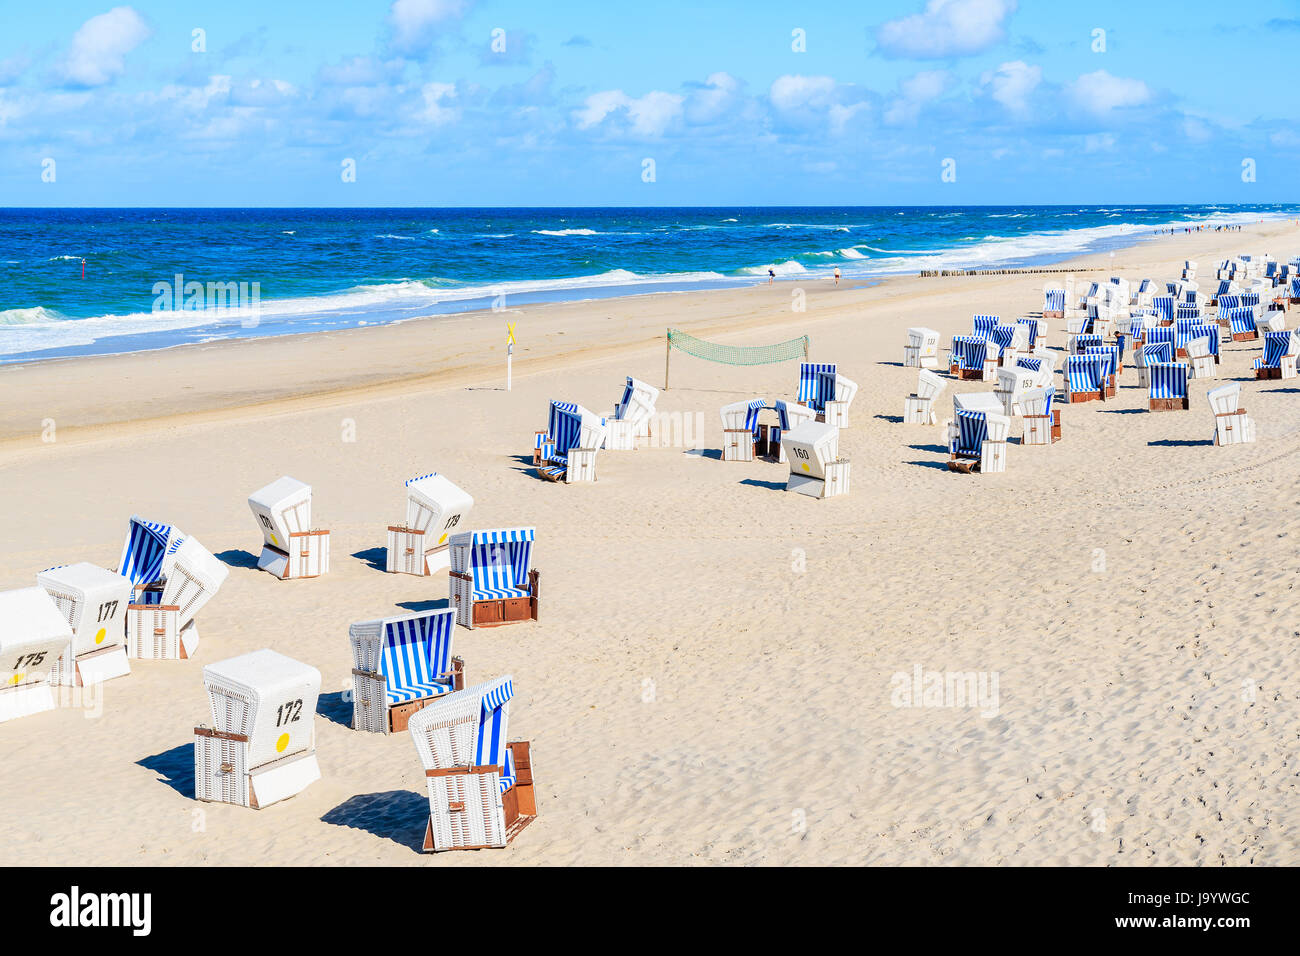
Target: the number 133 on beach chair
pixel 261 747
pixel 480 787
pixel 291 548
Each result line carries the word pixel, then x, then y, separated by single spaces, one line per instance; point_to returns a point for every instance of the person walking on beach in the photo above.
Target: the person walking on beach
pixel 837 275
pixel 771 275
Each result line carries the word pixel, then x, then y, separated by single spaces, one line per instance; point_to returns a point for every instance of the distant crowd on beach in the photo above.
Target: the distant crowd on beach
pixel 1233 227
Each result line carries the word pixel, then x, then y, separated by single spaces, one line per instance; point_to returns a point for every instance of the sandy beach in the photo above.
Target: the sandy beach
pixel 712 677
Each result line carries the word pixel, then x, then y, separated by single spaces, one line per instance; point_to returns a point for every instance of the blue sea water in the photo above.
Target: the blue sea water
pixel 79 281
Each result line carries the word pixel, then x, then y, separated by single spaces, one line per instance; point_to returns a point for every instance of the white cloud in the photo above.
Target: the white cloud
pixel 915 92
pixel 98 51
pixel 1198 131
pixel 1100 92
pixel 1099 143
pixel 435 110
pixel 413 21
pixel 1012 83
pixel 791 93
pixel 946 28
pixel 650 115
pixel 713 99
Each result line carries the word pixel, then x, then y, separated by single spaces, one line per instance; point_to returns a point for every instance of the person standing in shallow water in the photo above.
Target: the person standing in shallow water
pixel 771 275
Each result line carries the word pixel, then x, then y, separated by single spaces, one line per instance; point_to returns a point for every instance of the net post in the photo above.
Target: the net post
pixel 805 348
pixel 668 353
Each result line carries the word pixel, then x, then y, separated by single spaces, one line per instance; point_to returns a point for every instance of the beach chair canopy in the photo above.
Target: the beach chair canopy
pixel 147 545
pixel 810 447
pixel 1225 399
pixel 414 653
pixel 193 575
pixel 972 429
pixel 1086 373
pixel 282 508
pixel 984 325
pixel 743 415
pixel 1157 352
pixel 1109 353
pixel 977 402
pixel 1038 402
pixel 1276 345
pixel 467 728
pixel 1053 300
pixel 814 386
pixel 91 599
pixel 928 384
pixel 638 401
pixel 267 697
pixel 1085 341
pixel 1162 334
pixel 971 351
pixel 435 506
pixel 927 340
pixel 1167 379
pixel 33 635
pixel 1242 320
pixel 497 561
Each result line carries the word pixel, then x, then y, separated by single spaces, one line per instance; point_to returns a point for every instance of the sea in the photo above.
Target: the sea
pixel 96 281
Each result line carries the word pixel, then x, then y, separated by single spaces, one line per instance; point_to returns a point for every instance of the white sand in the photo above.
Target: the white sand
pixel 1147 711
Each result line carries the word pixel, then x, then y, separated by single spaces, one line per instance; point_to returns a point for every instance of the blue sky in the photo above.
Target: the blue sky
pixel 1028 100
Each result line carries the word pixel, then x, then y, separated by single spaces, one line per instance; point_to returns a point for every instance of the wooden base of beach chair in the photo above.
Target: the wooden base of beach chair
pixel 1042 429
pixel 410 552
pixel 1097 396
pixel 1245 336
pixel 738 445
pixel 518 804
pixel 308 556
pixel 1263 374
pixel 370 711
pixel 1054 314
pixel 1168 404
pixel 918 411
pixel 497 611
pixel 1294 300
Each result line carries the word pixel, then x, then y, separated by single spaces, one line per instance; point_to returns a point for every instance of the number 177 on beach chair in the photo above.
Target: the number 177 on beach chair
pixel 93 601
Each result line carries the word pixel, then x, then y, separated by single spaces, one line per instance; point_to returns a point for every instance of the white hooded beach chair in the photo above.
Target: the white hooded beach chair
pixel 1279 358
pixel 977 441
pixel 1232 426
pixel 567 449
pixel 191 576
pixel 93 601
pixel 400 664
pixel 434 508
pixel 789 415
pixel 291 548
pixel 492 578
pixel 33 637
pixel 480 786
pixel 740 429
pixel 1042 416
pixel 922 349
pixel 632 415
pixel 919 408
pixel 816 468
pixel 261 747
pixel 1200 357
pixel 1013 383
pixel 836 395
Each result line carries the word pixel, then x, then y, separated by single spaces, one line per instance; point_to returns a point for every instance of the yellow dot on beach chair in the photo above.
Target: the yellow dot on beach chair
pixel 17 678
pixel 281 743
pixel 100 635
pixel 442 539
pixel 804 466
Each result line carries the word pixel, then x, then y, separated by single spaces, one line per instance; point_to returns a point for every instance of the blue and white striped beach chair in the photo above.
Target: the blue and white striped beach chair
pixel 1279 358
pixel 633 414
pixel 1224 288
pixel 974 358
pixel 740 429
pixel 1167 388
pixel 984 325
pixel 1163 306
pixel 1241 322
pixel 399 665
pixel 1042 417
pixel 1053 303
pixel 1110 354
pixel 492 579
pixel 1080 343
pixel 146 548
pixel 1032 325
pixel 814 386
pixel 1085 378
pixel 480 786
pixel 1295 291
pixel 977 442
pixel 566 451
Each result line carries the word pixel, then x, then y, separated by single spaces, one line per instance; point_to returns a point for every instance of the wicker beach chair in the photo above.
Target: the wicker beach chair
pixel 399 665
pixel 93 601
pixel 632 415
pixel 261 747
pixel 816 469
pixel 435 507
pixel 480 787
pixel 1279 358
pixel 1232 426
pixel 34 636
pixel 566 451
pixel 1167 386
pixel 492 578
pixel 291 547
